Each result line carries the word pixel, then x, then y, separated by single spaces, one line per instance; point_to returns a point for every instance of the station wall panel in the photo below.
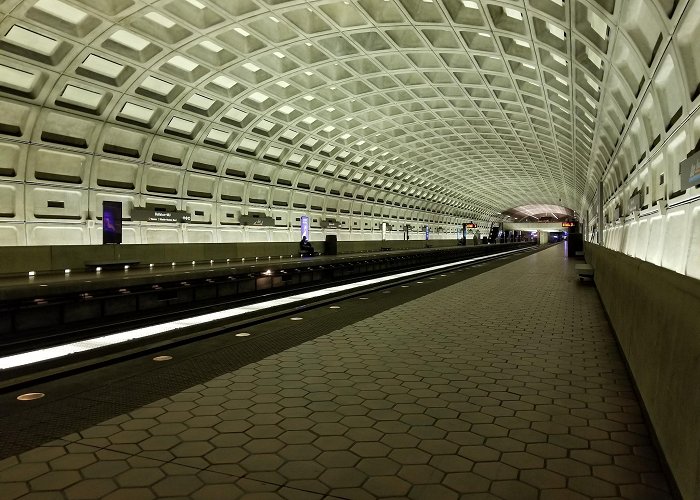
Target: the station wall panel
pixel 41 233
pixel 281 198
pixel 18 119
pixel 52 203
pixel 305 181
pixel 256 235
pixel 295 218
pixel 61 129
pixel 263 172
pixel 207 160
pixel 11 202
pixel 200 186
pixel 642 239
pixel 258 195
pixel 622 237
pixel 155 234
pixel 13 161
pixel 315 219
pixel 281 235
pixel 281 217
pixel 693 263
pixel 121 142
pixel 676 227
pixel 666 82
pixel 656 235
pixel 161 181
pixel 631 242
pixel 169 152
pixel 52 166
pixel 231 191
pixel 12 234
pixel 343 222
pixel 238 167
pixel 232 235
pixel 300 201
pixel 199 235
pixel 202 212
pixel 228 215
pixel 131 233
pixel 112 173
pixel 158 203
pixel 676 151
pixel 652 120
pixel 686 43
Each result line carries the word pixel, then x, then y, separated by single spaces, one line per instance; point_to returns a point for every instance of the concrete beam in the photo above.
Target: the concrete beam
pixel 548 227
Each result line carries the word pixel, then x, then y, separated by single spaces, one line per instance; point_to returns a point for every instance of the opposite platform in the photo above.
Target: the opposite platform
pixel 506 385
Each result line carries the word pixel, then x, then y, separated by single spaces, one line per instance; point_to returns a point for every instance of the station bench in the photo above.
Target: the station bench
pixel 306 253
pixel 110 264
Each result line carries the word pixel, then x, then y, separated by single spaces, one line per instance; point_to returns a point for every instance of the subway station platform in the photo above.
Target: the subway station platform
pixel 502 381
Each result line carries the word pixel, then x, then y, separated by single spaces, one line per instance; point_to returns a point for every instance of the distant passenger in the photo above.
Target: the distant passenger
pixel 305 247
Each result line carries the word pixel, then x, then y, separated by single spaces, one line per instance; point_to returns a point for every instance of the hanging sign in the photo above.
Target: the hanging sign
pixel 305 226
pixel 154 215
pixel 111 222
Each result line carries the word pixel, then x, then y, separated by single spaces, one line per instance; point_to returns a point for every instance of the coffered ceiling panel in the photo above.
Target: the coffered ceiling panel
pixel 486 105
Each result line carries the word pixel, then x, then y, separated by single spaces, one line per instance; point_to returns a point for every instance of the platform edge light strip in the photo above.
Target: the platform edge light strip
pixel 40 355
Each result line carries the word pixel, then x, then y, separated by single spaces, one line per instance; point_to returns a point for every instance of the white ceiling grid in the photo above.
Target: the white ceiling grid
pixel 482 105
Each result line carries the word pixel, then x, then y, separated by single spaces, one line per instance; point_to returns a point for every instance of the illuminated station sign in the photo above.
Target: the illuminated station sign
pixel 470 225
pixel 568 224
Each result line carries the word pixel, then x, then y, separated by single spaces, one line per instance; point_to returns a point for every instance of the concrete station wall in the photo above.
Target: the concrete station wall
pixel 15 260
pixel 654 312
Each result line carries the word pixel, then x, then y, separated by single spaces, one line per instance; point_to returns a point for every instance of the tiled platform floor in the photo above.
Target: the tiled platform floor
pixel 508 385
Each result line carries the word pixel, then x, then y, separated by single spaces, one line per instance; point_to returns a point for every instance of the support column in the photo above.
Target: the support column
pixel 601 218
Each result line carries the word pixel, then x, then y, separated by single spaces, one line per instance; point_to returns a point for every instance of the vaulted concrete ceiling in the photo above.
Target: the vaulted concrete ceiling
pixel 487 105
pixel 533 212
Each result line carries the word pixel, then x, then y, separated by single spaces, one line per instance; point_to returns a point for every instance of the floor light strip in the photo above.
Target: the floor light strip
pixel 40 355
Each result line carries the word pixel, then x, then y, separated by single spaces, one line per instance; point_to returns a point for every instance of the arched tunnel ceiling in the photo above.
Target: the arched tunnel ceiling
pixel 532 212
pixel 488 104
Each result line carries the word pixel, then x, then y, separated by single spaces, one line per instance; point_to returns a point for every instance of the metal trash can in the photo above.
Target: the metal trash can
pixel 331 246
